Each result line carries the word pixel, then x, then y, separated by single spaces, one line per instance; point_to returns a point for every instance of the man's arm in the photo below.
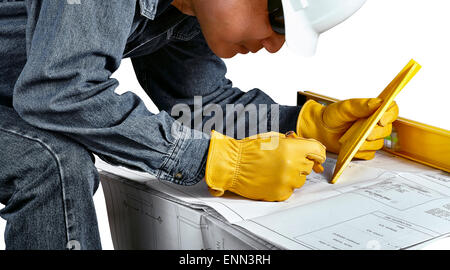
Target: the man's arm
pixel 183 69
pixel 72 50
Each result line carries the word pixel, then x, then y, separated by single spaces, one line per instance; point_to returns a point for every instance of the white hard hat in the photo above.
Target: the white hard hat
pixel 305 20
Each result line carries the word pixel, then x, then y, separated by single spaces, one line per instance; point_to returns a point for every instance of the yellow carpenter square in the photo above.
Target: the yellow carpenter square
pixel 351 146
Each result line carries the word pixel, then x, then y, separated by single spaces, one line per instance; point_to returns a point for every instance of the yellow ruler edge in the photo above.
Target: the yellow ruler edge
pixel 437 157
pixel 361 131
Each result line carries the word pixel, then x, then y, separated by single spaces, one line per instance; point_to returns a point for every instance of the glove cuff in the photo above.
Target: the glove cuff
pixel 222 163
pixel 311 110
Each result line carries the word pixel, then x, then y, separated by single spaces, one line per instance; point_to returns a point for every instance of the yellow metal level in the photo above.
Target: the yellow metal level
pixel 416 141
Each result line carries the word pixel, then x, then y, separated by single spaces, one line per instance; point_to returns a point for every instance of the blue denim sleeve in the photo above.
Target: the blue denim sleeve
pixel 73 47
pixel 187 68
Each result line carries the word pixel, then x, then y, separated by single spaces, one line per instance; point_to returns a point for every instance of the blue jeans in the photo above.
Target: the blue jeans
pixel 58 105
pixel 46 184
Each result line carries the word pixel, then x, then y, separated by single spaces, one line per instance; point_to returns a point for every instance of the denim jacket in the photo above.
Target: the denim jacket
pixel 72 47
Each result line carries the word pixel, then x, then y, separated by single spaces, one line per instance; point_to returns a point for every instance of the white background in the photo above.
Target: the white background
pixel 356 59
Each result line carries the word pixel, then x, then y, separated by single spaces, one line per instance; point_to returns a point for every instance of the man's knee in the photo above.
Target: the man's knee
pixel 32 160
pixel 25 149
pixel 76 164
pixel 46 179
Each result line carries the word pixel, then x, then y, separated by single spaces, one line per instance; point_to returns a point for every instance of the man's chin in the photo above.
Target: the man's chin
pixel 230 52
pixel 227 55
pixel 235 51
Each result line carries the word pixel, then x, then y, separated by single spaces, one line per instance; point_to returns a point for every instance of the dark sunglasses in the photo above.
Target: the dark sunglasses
pixel 276 16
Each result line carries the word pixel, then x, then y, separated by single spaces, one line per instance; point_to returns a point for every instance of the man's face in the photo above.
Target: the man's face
pixel 236 26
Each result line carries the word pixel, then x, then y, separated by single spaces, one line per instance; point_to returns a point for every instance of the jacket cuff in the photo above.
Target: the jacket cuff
pixel 186 159
pixel 288 118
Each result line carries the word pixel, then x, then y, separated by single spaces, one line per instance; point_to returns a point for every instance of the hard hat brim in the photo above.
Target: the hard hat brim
pixel 300 35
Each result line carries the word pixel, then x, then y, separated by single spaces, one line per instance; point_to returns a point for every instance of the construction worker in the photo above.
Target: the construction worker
pixel 58 107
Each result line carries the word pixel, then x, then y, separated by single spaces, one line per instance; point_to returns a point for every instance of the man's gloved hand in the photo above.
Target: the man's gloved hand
pixel 264 167
pixel 328 124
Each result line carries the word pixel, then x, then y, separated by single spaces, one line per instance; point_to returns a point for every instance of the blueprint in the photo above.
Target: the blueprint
pixel 386 203
pixel 141 218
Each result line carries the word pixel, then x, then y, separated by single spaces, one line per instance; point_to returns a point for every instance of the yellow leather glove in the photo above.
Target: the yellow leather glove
pixel 264 167
pixel 329 124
